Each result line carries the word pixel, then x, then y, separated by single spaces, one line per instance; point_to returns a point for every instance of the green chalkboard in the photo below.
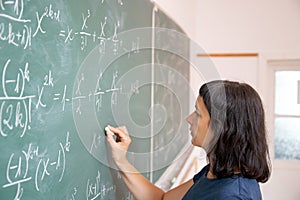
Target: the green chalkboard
pixel 69 68
pixel 171 92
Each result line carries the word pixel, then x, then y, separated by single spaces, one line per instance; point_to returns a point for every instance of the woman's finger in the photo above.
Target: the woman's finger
pixel 110 138
pixel 124 129
pixel 121 135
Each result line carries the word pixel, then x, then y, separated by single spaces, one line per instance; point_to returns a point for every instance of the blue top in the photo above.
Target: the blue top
pixel 234 187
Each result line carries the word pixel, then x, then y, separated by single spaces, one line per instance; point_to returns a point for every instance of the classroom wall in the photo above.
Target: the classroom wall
pixel 183 12
pixel 255 26
pixel 238 26
pixel 269 28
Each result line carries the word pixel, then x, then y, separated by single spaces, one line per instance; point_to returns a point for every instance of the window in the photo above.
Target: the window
pixel 287 115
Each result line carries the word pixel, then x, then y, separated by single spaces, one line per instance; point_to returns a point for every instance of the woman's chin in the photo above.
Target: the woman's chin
pixel 193 142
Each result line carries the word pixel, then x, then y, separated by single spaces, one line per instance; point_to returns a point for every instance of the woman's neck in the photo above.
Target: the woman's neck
pixel 210 175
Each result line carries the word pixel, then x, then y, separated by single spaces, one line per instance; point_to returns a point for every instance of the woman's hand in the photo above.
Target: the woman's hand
pixel 119 146
pixel 139 186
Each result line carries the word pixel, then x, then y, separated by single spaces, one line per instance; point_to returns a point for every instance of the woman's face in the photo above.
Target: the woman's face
pixel 199 124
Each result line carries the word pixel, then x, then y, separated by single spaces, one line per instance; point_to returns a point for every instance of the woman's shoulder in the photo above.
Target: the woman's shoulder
pixel 249 187
pixel 238 185
pixel 221 188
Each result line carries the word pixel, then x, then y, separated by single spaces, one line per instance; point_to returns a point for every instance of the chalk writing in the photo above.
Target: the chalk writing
pixel 40 94
pixel 17 6
pixel 99 91
pixel 114 89
pixel 47 13
pixel 15 115
pixel 116 42
pixel 67 34
pixel 16 36
pixel 120 2
pixel 61 97
pixel 36 92
pixel 86 35
pixel 20 170
pixel 15 106
pixel 96 142
pixel 135 47
pixel 73 194
pixel 18 31
pixel 95 188
pixel 15 109
pixel 48 80
pixel 102 37
pixel 128 196
pixel 17 83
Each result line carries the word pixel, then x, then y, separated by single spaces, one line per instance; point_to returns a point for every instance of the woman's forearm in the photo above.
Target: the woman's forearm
pixel 139 186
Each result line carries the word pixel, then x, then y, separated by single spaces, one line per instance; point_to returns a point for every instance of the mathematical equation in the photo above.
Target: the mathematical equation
pixel 104 40
pixel 22 167
pixel 16 107
pixel 99 91
pixel 20 32
pixel 15 110
pixel 98 188
pixel 95 189
pixel 28 94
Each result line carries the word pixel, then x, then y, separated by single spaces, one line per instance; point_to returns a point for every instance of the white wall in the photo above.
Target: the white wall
pixel 183 12
pixel 270 28
pixel 255 26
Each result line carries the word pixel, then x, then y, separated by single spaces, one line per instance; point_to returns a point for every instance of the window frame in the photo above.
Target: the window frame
pixel 274 65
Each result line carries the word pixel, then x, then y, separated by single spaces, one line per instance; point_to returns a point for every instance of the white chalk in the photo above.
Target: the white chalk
pixel 108 130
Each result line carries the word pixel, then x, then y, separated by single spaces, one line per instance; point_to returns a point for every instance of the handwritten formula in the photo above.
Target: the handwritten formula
pixel 31 165
pixel 42 45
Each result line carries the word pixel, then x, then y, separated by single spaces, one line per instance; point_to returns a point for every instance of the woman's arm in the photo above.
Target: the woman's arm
pixel 139 186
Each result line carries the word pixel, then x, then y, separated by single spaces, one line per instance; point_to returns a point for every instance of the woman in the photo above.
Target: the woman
pixel 228 122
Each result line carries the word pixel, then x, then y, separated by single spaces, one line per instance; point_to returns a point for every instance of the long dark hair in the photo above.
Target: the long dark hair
pixel 238 124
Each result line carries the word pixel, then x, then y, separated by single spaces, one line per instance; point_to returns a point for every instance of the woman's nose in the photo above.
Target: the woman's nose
pixel 189 119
